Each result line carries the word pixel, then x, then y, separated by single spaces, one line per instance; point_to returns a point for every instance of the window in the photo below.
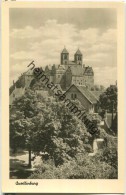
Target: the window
pixel 65 56
pixel 73 96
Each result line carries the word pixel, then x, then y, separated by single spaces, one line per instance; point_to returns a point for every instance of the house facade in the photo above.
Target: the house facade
pixel 84 96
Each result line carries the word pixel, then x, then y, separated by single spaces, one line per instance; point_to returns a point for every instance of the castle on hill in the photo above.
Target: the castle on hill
pixel 71 72
pixel 66 74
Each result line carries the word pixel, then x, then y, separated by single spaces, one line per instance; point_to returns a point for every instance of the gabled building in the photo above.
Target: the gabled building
pixel 65 74
pixel 84 96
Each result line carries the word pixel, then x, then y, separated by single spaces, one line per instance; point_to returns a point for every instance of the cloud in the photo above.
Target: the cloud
pixel 26 33
pixel 106 75
pixel 50 29
pixel 44 44
pixel 109 36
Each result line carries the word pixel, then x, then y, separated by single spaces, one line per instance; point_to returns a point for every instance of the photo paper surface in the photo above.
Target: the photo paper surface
pixel 62 97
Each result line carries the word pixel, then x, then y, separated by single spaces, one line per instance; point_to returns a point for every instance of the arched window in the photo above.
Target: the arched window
pixel 72 96
pixel 75 96
pixel 65 56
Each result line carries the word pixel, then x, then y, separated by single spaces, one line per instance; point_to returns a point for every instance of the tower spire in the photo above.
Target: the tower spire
pixel 64 56
pixel 78 57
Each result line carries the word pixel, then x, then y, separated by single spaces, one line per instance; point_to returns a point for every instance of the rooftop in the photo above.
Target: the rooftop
pixel 64 51
pixel 76 70
pixel 87 94
pixel 78 52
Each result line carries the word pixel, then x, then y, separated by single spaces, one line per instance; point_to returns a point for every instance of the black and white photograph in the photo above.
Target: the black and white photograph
pixel 63 93
pixel 63 117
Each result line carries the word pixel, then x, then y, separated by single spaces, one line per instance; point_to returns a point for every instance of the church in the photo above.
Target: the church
pixel 71 72
pixel 73 77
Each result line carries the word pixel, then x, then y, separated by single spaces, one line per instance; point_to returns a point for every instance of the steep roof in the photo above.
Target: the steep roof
pixel 87 94
pixel 88 70
pixel 76 70
pixel 97 93
pixel 64 51
pixel 78 52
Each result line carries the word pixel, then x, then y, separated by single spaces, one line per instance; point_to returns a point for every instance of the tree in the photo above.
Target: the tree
pixel 23 116
pixel 108 99
pixel 48 127
pixel 104 165
pixel 82 167
pixel 16 133
pixel 61 134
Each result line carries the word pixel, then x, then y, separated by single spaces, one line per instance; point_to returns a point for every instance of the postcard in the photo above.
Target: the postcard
pixel 63 97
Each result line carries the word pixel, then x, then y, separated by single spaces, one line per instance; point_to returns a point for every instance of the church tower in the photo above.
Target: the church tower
pixel 64 57
pixel 78 57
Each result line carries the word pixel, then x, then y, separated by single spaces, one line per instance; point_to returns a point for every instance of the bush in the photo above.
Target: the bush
pixel 83 167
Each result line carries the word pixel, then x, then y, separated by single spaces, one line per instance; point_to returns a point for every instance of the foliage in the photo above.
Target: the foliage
pixel 17 138
pixel 108 99
pixel 109 153
pixel 98 88
pixel 48 127
pixel 83 167
pixel 101 166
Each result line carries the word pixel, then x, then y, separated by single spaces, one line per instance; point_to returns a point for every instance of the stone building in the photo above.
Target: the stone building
pixel 71 72
pixel 65 75
pixel 18 87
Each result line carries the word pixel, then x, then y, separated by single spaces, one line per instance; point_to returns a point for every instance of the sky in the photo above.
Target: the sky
pixel 41 34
